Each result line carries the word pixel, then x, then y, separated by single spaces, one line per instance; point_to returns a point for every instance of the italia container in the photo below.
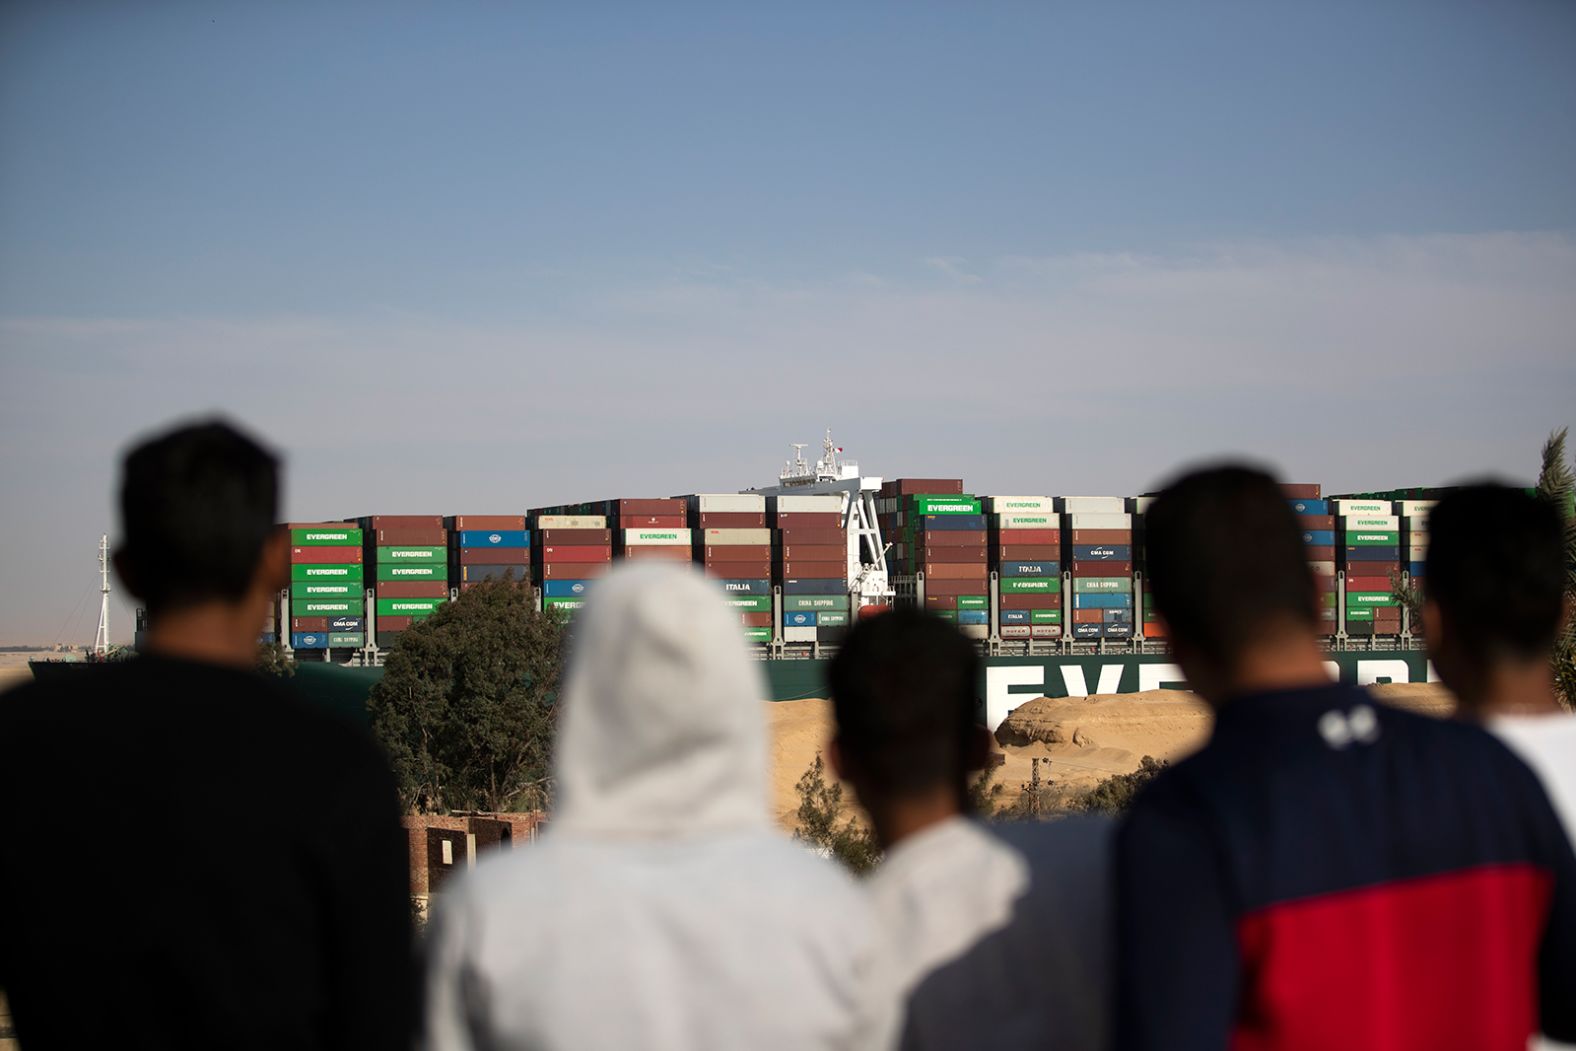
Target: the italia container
pixel 408 562
pixel 1317 522
pixel 810 549
pixel 651 530
pixel 1368 552
pixel 1025 550
pixel 488 547
pixel 733 546
pixel 1098 551
pixel 573 549
pixel 327 581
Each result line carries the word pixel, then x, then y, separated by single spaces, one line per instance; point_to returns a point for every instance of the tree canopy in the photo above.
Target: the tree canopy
pixel 1557 483
pixel 465 708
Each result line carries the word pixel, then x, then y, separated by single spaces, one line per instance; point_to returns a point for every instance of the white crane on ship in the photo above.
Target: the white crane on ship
pixel 868 581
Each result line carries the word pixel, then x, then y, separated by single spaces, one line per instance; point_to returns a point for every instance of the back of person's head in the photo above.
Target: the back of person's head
pixel 197 505
pixel 1496 571
pixel 1227 564
pixel 661 733
pixel 904 693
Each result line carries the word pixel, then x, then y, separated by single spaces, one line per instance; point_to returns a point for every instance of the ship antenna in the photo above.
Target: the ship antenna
pixel 101 637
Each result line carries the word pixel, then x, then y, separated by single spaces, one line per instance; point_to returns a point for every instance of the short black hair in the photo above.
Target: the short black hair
pixel 904 692
pixel 1226 561
pixel 1497 569
pixel 197 504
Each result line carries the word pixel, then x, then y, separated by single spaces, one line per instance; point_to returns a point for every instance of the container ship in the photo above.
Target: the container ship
pixel 1052 588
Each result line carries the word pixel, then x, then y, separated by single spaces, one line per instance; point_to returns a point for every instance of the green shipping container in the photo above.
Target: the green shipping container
pixel 973 602
pixel 1370 598
pixel 1327 599
pixel 944 505
pixel 758 634
pixel 811 603
pixel 1031 585
pixel 1359 614
pixel 831 619
pixel 408 607
pixel 324 607
pixel 563 602
pixel 749 603
pixel 350 536
pixel 412 554
pixel 413 571
pixel 324 589
pixel 300 572
pixel 946 614
pixel 1369 538
pixel 1045 616
pixel 1108 585
pixel 354 639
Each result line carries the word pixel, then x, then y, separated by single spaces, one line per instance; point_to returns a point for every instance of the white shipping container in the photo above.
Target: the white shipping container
pixel 731 503
pixel 975 631
pixel 1101 521
pixel 1020 504
pixel 1141 504
pixel 798 634
pixel 1361 507
pixel 1386 523
pixel 1417 508
pixel 720 537
pixel 571 522
pixel 1047 631
pixel 1019 631
pixel 657 538
pixel 1093 505
pixel 1029 521
pixel 818 503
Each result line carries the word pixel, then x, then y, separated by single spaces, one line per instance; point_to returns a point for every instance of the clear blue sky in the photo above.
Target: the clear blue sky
pixel 474 257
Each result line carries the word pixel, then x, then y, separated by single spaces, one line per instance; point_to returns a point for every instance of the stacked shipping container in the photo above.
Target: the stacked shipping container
pixel 571 551
pixel 1026 551
pixel 733 545
pixel 810 562
pixel 1149 625
pixel 650 530
pixel 1414 537
pixel 1368 551
pixel 488 547
pixel 408 559
pixel 1318 537
pixel 327 600
pixel 1099 552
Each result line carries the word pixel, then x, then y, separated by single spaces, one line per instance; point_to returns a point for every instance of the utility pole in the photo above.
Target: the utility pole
pixel 1034 783
pixel 101 637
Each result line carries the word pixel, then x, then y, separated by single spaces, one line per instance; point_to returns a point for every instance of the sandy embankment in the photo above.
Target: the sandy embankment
pixel 1085 738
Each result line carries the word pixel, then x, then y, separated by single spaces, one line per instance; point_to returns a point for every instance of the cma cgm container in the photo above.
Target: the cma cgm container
pixel 1098 551
pixel 407 559
pixel 1317 522
pixel 733 546
pixel 810 562
pixel 327 582
pixel 488 547
pixel 1368 553
pixel 1025 550
pixel 572 550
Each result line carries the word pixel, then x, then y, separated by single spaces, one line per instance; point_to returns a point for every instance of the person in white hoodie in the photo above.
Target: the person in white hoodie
pixel 998 936
pixel 661 909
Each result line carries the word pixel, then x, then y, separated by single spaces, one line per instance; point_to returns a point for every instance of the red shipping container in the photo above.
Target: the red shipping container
pixel 576 553
pixel 411 589
pixel 1367 584
pixel 1154 629
pixel 815 571
pixel 756 620
pixel 495 556
pixel 1029 553
pixel 813 535
pixel 1113 537
pixel 576 537
pixel 951 537
pixel 653 522
pixel 404 522
pixel 395 623
pixel 574 570
pixel 466 585
pixel 1299 491
pixel 317 525
pixel 507 523
pixel 1088 616
pixel 739 570
pixel 737 553
pixel 941 601
pixel 809 520
pixel 1320 554
pixel 922 486
pixel 814 552
pixel 730 520
pixel 325 555
pixel 956 571
pixel 661 506
pixel 1031 602
pixel 308 623
pixel 952 554
pixel 410 537
pixel 1028 536
pixel 1309 523
pixel 1102 569
pixel 952 587
pixel 656 553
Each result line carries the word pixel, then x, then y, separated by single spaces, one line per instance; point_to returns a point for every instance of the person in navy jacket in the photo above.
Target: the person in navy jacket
pixel 1326 872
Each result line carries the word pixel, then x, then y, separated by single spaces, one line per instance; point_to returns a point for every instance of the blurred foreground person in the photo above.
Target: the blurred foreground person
pixel 1326 872
pixel 1494 606
pixel 997 935
pixel 193 857
pixel 662 909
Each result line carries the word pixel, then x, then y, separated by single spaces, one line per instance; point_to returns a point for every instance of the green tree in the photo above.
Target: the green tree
pixel 1557 484
pixel 465 708
pixel 1116 793
pixel 271 660
pixel 820 802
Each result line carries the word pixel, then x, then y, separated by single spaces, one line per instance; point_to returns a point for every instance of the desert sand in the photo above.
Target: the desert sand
pixel 1085 738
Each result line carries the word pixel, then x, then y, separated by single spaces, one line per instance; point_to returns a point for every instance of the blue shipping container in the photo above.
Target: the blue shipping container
pixel 1107 600
pixel 309 640
pixel 1102 553
pixel 1031 569
pixel 565 588
pixel 1311 507
pixel 1015 616
pixel 494 538
pixel 1088 631
pixel 1118 616
pixel 266 638
pixel 749 587
pixel 798 620
pixel 1415 568
pixel 976 616
pixel 952 523
pixel 1319 538
pixel 815 587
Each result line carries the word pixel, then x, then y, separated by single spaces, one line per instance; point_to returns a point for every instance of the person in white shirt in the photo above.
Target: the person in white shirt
pixel 996 936
pixel 661 909
pixel 1494 605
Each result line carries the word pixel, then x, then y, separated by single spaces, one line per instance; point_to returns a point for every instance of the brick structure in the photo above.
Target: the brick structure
pixel 441 844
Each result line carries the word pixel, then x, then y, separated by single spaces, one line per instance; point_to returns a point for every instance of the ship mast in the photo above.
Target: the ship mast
pixel 101 637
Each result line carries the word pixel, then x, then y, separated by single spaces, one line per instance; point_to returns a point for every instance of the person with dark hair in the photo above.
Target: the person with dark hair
pixel 193 856
pixel 996 936
pixel 1326 871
